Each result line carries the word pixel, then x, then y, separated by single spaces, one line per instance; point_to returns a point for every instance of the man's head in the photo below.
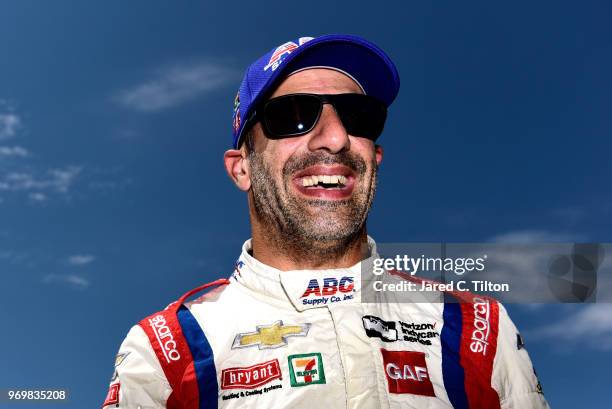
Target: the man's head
pixel 312 191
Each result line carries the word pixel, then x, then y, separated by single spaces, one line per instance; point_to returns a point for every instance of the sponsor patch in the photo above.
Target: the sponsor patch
pixel 237 266
pixel 520 343
pixel 119 358
pixel 480 335
pixel 270 336
pixel 164 337
pixel 538 385
pixel 330 290
pixel 391 331
pixel 282 51
pixel 251 392
pixel 236 119
pixel 306 369
pixel 406 372
pixel 250 377
pixel 112 397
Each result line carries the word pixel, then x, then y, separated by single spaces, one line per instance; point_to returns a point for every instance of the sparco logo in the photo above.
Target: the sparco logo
pixel 480 335
pixel 164 338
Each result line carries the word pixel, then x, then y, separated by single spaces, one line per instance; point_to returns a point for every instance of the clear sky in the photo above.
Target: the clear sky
pixel 113 200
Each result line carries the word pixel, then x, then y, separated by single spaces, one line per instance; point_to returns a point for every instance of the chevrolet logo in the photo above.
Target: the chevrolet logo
pixel 270 336
pixel 119 358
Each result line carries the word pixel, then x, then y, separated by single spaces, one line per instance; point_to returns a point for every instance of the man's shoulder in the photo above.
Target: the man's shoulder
pixel 210 292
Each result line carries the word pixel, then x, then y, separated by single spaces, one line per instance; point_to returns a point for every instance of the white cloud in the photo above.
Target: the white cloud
pixel 533 236
pixel 175 85
pixel 80 259
pixel 9 124
pixel 62 179
pixel 73 280
pixel 59 180
pixel 591 325
pixel 14 151
pixel 37 196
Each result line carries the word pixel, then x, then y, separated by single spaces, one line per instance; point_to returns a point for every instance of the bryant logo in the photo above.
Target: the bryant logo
pixel 250 377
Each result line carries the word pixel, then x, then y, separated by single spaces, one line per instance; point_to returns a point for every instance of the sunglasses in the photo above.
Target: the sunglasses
pixel 297 114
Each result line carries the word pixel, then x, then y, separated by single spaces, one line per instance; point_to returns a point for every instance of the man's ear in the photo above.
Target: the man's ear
pixel 236 166
pixel 379 154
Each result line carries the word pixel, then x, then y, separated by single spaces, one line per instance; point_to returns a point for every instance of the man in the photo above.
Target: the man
pixel 288 329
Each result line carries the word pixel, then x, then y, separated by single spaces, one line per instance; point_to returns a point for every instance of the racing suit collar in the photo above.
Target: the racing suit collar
pixel 304 289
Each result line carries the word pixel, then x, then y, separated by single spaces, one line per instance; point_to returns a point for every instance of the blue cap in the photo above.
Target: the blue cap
pixel 362 60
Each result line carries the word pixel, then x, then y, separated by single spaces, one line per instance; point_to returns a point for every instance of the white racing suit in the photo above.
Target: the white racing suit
pixel 302 339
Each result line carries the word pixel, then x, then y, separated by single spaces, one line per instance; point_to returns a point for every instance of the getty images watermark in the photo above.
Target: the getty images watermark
pixel 512 273
pixel 419 265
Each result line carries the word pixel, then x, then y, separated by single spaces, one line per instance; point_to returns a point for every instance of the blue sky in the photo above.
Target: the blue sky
pixel 114 116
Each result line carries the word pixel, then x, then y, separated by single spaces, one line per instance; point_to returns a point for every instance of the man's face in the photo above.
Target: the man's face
pixel 284 172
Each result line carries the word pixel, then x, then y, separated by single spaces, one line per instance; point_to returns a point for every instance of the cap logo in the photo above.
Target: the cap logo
pixel 236 121
pixel 279 54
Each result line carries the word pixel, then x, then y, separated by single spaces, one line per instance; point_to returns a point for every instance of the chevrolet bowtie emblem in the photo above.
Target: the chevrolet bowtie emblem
pixel 119 358
pixel 270 336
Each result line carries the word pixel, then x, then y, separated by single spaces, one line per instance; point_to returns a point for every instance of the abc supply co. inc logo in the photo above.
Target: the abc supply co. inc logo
pixel 306 369
pixel 332 290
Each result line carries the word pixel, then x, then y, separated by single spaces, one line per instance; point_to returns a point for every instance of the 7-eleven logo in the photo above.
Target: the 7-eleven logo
pixel 306 369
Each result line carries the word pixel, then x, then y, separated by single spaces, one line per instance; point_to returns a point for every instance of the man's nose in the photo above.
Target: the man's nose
pixel 329 134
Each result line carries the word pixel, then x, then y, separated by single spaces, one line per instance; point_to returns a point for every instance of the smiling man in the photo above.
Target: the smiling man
pixel 309 196
pixel 289 328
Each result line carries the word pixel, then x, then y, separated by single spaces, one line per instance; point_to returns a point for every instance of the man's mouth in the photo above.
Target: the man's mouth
pixel 325 182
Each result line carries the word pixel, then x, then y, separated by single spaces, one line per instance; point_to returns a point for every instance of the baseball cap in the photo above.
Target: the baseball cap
pixel 355 56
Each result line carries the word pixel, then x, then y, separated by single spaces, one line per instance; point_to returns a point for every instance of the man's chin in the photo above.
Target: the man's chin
pixel 328 230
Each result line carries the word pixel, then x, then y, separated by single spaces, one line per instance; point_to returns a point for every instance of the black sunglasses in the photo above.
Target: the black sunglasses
pixel 297 114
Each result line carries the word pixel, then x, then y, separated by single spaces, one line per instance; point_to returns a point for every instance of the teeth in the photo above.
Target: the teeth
pixel 326 179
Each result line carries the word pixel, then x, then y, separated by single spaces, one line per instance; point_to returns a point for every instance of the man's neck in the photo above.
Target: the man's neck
pixel 275 252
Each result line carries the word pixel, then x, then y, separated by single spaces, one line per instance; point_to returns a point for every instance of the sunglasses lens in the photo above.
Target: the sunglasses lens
pixel 361 115
pixel 291 115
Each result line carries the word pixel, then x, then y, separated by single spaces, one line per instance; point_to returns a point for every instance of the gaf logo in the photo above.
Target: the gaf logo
pixel 329 290
pixel 406 372
pixel 480 335
pixel 250 377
